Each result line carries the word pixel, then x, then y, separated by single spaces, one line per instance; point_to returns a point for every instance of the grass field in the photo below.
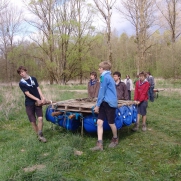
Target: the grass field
pixel 152 155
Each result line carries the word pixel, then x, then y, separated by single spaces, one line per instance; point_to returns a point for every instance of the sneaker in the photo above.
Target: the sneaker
pixel 41 137
pixel 114 143
pixel 98 147
pixel 136 127
pixel 143 127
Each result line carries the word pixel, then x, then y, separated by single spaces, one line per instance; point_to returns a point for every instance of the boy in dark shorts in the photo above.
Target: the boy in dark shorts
pixel 106 105
pixel 32 92
pixel 141 99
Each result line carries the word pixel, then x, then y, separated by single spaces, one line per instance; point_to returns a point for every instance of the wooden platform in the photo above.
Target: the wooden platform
pixel 83 105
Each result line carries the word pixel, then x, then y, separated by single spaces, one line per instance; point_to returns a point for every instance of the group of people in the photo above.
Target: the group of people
pixel 107 91
pixel 123 88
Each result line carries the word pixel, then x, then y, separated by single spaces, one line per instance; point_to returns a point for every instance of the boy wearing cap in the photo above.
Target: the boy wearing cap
pixel 141 99
pixel 106 105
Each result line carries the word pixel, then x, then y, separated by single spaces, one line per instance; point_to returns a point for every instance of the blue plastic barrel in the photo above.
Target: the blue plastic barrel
pixel 118 119
pixel 126 115
pixel 90 125
pixel 48 115
pixel 134 113
pixel 70 121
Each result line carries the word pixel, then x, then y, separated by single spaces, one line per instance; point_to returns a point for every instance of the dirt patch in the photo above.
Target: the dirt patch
pixel 33 168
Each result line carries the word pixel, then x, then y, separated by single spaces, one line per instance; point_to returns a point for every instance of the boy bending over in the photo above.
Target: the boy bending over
pixel 106 105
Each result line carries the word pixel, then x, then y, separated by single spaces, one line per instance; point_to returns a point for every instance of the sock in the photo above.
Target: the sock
pixel 100 141
pixel 40 133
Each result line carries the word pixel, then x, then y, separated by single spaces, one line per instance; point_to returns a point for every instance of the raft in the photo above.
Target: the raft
pixel 73 113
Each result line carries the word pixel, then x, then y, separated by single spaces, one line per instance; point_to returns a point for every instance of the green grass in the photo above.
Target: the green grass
pixel 154 155
pixel 168 83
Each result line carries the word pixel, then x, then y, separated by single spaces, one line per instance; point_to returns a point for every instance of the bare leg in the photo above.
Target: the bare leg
pixel 138 119
pixel 100 129
pixel 144 120
pixel 114 130
pixel 40 123
pixel 35 127
pixel 99 145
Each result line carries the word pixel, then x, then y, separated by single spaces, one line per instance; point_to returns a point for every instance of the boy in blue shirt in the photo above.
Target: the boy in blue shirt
pixel 106 105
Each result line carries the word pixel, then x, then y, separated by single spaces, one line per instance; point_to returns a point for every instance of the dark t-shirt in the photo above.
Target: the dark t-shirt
pixel 32 89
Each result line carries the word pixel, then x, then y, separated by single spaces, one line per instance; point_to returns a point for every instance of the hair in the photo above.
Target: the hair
pixel 106 65
pixel 142 73
pixel 20 69
pixel 94 73
pixel 117 73
pixel 148 73
pixel 128 76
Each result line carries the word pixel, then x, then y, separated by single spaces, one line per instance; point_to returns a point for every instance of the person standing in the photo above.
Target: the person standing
pixel 121 89
pixel 93 86
pixel 150 79
pixel 141 99
pixel 129 85
pixel 33 94
pixel 106 105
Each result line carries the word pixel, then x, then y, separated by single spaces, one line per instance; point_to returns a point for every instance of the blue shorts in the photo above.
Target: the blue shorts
pixel 142 108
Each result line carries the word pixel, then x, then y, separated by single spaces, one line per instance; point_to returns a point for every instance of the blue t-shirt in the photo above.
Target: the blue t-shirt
pixel 29 85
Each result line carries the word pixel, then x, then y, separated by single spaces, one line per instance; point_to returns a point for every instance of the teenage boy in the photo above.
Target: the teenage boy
pixel 150 79
pixel 129 85
pixel 93 85
pixel 121 89
pixel 106 105
pixel 32 92
pixel 141 99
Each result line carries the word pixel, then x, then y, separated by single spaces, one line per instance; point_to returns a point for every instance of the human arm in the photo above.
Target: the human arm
pixel 102 91
pixel 27 93
pixel 136 92
pixel 97 89
pixel 41 95
pixel 152 84
pixel 144 92
pixel 125 92
pixel 88 89
pixel 131 85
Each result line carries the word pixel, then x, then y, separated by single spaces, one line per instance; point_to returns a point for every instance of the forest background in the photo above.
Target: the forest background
pixel 59 40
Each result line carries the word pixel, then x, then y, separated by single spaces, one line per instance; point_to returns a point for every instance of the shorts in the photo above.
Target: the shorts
pixel 107 113
pixel 32 110
pixel 142 108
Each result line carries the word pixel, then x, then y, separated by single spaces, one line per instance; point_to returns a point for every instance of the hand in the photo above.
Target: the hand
pixel 39 102
pixel 137 102
pixel 96 109
pixel 43 100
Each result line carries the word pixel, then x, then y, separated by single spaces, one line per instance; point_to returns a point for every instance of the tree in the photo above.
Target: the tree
pixel 105 8
pixel 170 12
pixel 140 13
pixel 11 26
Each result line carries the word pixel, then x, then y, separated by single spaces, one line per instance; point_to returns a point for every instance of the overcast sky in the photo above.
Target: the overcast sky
pixel 119 24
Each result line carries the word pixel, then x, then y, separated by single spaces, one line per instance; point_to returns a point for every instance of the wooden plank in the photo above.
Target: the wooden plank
pixel 83 105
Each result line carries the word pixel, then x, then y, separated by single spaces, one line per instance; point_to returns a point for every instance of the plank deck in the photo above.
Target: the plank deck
pixel 83 105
